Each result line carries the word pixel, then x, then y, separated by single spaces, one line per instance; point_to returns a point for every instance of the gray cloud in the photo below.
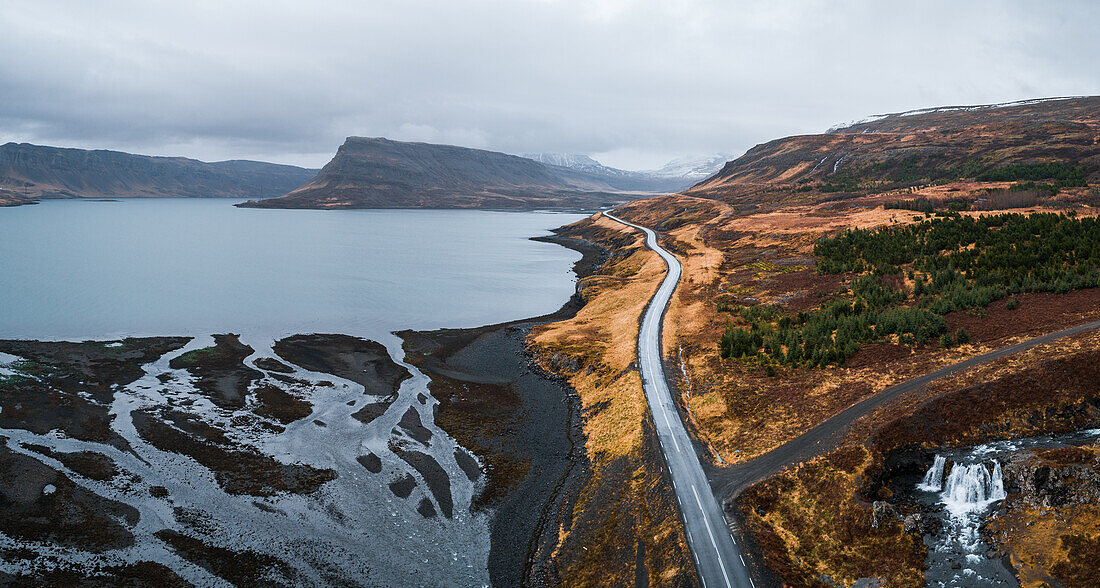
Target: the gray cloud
pixel 633 82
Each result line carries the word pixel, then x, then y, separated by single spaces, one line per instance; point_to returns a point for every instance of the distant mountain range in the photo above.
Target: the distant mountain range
pixel 365 173
pixel 673 176
pixel 29 172
pixel 929 145
pixel 381 173
pixel 574 161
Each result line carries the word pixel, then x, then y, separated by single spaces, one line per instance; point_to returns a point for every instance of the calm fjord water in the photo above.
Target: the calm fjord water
pixel 103 270
pixel 78 269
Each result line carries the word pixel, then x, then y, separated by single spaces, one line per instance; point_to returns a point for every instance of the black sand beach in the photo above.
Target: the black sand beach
pixel 522 423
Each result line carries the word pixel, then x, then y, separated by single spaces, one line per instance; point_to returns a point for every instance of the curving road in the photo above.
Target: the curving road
pixel 717 557
pixel 716 554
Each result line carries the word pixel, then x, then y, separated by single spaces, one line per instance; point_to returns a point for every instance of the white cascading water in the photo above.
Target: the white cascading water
pixel 966 493
pixel 971 487
pixel 998 482
pixel 958 556
pixel 933 478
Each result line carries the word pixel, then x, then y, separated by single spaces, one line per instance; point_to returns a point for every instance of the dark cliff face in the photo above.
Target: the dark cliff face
pixel 32 171
pixel 1055 478
pixel 380 173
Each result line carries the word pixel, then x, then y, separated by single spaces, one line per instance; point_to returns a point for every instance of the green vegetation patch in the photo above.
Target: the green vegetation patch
pixel 1064 174
pixel 917 168
pixel 834 331
pixel 962 262
pixel 934 168
pixel 34 369
pixel 840 183
pixel 12 380
pixel 774 268
pixel 197 357
pixel 954 263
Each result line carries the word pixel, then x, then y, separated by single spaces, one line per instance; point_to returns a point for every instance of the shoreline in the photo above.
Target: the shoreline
pixel 532 448
pixel 538 427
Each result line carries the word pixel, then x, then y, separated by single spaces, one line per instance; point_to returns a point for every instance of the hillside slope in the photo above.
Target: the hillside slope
pixel 380 173
pixel 908 149
pixel 28 172
pixel 893 227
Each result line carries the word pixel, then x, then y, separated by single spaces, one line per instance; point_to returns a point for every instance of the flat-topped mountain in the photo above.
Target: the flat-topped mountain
pixel 29 172
pixel 380 173
pixel 933 145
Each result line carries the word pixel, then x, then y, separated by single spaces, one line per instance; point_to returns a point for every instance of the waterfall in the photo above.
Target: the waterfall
pixel 998 483
pixel 933 478
pixel 972 487
pixel 968 483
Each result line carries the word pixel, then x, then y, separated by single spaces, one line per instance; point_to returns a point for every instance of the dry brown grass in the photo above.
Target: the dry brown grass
pixel 767 258
pixel 812 525
pixel 994 370
pixel 1031 537
pixel 626 502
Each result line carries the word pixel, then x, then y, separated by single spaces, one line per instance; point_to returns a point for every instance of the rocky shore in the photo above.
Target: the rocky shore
pixel 522 423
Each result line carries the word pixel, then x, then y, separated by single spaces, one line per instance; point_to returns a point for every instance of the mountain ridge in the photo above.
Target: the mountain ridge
pixel 904 149
pixel 29 172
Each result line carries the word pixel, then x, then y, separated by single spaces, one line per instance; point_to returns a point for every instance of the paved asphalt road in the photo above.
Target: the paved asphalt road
pixel 716 554
pixel 717 557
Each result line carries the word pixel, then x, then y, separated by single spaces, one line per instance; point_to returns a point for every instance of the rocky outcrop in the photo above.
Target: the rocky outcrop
pixel 29 172
pixel 1054 478
pixel 881 512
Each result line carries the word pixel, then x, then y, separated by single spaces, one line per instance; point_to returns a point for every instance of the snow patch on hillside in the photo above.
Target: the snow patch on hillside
pixel 569 160
pixel 878 117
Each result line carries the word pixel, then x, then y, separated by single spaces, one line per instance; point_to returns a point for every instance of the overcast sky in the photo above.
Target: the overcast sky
pixel 632 83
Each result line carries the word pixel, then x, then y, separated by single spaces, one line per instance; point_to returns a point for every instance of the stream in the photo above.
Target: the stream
pixel 963 487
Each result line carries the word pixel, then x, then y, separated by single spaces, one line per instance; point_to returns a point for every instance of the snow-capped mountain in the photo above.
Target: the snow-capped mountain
pixel 692 168
pixel 569 160
pixel 674 175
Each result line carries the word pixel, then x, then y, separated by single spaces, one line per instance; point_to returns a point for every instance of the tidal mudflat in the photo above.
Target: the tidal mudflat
pixel 277 436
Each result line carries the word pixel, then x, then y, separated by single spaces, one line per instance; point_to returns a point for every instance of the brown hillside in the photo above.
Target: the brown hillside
pixel 911 149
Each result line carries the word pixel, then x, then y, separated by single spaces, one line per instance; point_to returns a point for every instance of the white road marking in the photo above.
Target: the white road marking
pixel 669 425
pixel 713 543
pixel 658 396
